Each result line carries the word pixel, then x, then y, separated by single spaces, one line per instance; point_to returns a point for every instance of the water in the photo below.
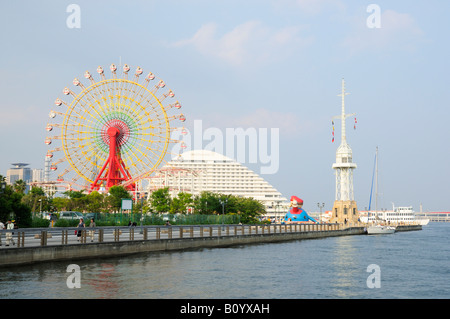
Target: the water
pixel 412 265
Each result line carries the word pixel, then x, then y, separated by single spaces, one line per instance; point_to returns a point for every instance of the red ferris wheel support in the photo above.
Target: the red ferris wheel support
pixel 113 171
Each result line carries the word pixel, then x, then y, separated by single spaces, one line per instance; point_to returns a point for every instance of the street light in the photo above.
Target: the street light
pixel 320 206
pixel 223 202
pixel 142 213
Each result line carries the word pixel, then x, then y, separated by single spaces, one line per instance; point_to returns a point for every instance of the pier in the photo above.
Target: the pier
pixel 442 217
pixel 57 244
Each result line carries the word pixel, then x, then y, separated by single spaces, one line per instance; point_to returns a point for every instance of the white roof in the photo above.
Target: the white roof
pixel 217 173
pixel 205 155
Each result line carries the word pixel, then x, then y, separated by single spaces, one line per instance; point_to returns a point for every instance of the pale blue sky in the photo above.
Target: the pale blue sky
pixel 256 64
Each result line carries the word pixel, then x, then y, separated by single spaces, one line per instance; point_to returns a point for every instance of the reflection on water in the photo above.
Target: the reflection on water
pixel 317 268
pixel 103 281
pixel 345 266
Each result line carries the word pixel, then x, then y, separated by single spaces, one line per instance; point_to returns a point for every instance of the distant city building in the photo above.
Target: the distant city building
pixel 18 172
pixel 37 175
pixel 202 170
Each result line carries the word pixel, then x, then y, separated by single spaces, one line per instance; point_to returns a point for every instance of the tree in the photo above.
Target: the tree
pixel 207 203
pixel 36 200
pixel 11 206
pixel 160 200
pixel 181 203
pixel 5 202
pixel 74 194
pixel 20 186
pixel 116 194
pixel 60 203
pixel 95 202
pixel 250 209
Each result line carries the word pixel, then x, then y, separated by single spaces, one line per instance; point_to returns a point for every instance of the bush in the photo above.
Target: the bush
pixel 66 223
pixel 40 223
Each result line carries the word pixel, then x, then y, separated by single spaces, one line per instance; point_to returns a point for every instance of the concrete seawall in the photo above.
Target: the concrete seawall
pixel 30 255
pixel 401 228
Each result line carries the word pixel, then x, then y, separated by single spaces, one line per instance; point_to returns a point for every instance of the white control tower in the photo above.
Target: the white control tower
pixel 344 208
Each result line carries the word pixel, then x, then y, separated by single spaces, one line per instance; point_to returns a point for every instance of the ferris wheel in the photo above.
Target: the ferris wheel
pixel 113 131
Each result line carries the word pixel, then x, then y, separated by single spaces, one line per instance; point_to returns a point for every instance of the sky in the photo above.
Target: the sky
pixel 262 64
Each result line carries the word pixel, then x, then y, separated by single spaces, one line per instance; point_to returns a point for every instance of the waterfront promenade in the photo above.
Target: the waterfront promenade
pixel 50 244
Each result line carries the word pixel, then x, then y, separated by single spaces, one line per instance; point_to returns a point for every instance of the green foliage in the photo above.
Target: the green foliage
pixel 22 215
pixel 11 206
pixel 20 186
pixel 181 203
pixel 95 202
pixel 116 194
pixel 160 200
pixel 66 223
pixel 60 203
pixel 40 223
pixel 74 194
pixel 184 209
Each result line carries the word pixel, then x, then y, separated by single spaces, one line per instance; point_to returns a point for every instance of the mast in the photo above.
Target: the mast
pixel 376 181
pixel 343 115
pixel 344 163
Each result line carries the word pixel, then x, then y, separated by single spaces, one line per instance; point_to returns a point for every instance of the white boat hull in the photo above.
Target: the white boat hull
pixel 376 230
pixel 423 221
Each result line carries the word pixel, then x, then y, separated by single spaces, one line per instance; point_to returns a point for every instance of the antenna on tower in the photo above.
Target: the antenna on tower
pixel 343 116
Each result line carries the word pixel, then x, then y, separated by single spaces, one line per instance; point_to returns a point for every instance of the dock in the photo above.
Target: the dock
pixel 58 244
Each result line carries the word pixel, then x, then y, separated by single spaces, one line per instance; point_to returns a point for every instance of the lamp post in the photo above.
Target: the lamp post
pixel 320 208
pixel 223 202
pixel 142 214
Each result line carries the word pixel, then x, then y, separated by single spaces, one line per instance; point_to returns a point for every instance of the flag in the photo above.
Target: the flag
pixel 332 122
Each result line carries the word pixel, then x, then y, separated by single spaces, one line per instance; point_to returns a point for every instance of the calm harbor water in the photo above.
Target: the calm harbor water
pixel 411 265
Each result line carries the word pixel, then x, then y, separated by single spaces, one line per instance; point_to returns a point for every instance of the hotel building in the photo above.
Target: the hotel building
pixel 202 170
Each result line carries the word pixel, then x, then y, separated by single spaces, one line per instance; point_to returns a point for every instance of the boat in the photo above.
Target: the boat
pixel 403 215
pixel 380 229
pixel 378 225
pixel 398 215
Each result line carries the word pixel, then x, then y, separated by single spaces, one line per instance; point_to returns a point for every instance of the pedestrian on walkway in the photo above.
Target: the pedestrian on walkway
pixel 92 231
pixel 2 226
pixel 80 225
pixel 9 235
